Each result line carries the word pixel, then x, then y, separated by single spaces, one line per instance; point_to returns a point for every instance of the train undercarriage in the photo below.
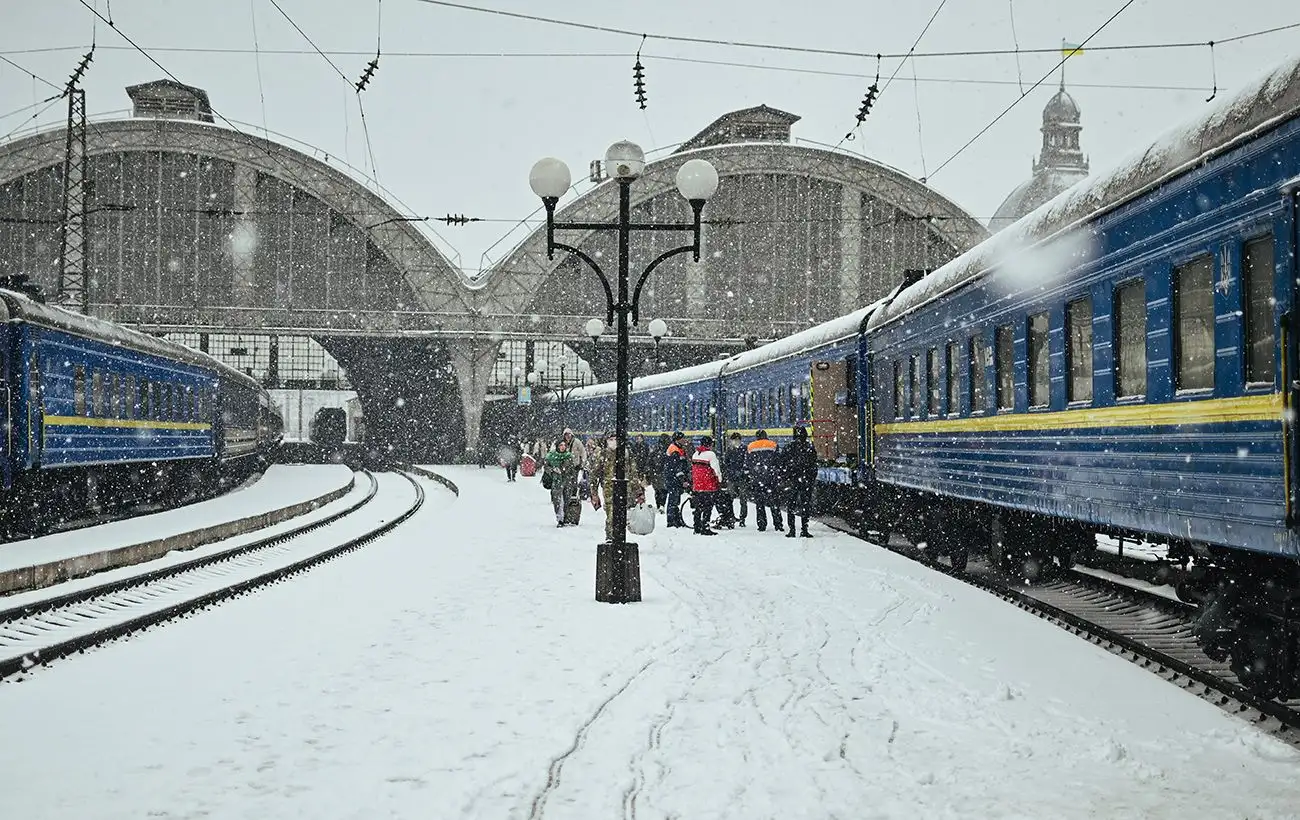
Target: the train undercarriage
pixel 1249 602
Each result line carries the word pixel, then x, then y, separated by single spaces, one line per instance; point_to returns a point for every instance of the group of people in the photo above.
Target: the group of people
pixel 773 479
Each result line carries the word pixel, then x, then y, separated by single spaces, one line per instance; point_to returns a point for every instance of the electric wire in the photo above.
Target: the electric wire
pixel 310 42
pixel 31 74
pixel 1025 94
pixel 824 51
pixel 257 62
pixel 1015 40
pixel 915 43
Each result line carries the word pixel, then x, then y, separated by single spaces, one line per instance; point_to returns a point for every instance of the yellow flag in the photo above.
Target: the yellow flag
pixel 1070 49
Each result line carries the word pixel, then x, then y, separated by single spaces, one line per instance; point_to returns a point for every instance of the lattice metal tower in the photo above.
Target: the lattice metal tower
pixel 72 254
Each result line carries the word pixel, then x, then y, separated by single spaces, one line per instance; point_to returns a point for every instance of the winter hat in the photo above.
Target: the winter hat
pixel 706 441
pixel 735 436
pixel 678 434
pixel 760 434
pixel 801 433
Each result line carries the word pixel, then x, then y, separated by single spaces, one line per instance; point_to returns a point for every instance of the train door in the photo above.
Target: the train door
pixel 834 409
pixel 6 411
pixel 1289 342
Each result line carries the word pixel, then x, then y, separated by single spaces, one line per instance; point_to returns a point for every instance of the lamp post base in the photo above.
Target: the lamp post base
pixel 618 573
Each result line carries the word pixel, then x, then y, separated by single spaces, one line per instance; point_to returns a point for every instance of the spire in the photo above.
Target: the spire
pixel 1061 128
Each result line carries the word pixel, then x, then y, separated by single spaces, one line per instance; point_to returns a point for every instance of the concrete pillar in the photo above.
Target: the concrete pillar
pixel 850 248
pixel 244 238
pixel 473 361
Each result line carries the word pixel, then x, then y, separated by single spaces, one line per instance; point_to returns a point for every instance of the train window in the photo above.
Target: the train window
pixel 110 385
pixel 979 362
pixel 1078 350
pixel 130 399
pixel 1194 324
pixel 143 407
pixel 97 393
pixel 1131 339
pixel 1004 361
pixel 1040 380
pixel 1257 271
pixel 954 383
pixel 899 404
pixel 918 393
pixel 932 379
pixel 79 390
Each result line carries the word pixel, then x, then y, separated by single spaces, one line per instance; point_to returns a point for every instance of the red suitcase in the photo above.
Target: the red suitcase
pixel 527 466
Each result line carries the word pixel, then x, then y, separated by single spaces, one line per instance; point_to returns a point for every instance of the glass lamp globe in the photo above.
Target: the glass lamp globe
pixel 697 179
pixel 658 329
pixel 625 160
pixel 594 328
pixel 550 178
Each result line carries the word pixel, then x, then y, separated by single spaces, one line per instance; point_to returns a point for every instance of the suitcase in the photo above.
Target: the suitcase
pixel 572 511
pixel 528 466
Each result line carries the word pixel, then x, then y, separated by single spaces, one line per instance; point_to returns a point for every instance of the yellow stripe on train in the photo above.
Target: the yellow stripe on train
pixel 1267 407
pixel 136 424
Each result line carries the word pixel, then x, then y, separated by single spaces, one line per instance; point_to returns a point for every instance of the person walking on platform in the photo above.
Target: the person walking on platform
pixel 510 460
pixel 799 470
pixel 706 480
pixel 764 469
pixel 654 468
pixel 676 474
pixel 576 447
pixel 601 470
pixel 563 471
pixel 734 480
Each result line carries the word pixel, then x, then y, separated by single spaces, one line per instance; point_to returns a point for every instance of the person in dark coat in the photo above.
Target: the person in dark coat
pixel 799 471
pixel 677 476
pixel 735 480
pixel 654 467
pixel 762 464
pixel 509 454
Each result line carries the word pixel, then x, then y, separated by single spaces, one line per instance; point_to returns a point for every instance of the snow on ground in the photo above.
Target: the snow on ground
pixel 461 668
pixel 282 485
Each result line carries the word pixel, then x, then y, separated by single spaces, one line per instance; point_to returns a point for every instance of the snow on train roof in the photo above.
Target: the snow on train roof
pixel 1262 104
pixel 816 336
pixel 27 309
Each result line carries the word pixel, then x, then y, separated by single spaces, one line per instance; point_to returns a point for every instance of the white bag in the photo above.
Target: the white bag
pixel 641 519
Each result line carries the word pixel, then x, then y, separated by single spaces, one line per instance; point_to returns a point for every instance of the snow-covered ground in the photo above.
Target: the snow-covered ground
pixel 461 668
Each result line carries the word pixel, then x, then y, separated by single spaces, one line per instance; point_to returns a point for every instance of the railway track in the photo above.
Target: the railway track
pixel 1147 629
pixel 44 630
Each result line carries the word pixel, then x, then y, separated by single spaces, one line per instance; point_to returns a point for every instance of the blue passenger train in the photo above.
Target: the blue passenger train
pixel 95 413
pixel 1122 360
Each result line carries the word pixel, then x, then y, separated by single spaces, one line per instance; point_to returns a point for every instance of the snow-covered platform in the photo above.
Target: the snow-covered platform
pixel 282 492
pixel 461 668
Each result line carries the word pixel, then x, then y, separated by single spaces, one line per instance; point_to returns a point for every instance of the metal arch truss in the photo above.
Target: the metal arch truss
pixel 437 284
pixel 514 283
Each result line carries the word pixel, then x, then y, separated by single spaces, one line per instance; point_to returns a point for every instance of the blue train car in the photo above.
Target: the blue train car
pixel 1124 360
pixel 94 411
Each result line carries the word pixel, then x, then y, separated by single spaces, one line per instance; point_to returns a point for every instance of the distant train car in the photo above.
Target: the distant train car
pixel 329 429
pixel 98 413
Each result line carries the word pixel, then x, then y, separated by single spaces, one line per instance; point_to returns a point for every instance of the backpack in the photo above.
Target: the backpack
pixel 548 480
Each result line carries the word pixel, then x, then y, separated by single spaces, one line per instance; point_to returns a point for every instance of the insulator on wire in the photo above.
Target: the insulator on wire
pixel 638 77
pixel 867 101
pixel 371 68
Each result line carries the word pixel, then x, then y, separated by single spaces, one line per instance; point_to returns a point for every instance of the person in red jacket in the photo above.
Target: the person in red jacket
pixel 706 480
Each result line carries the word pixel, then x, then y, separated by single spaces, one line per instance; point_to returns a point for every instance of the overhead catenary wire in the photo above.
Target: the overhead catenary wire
pixel 825 51
pixel 1015 41
pixel 257 62
pixel 32 74
pixel 1025 94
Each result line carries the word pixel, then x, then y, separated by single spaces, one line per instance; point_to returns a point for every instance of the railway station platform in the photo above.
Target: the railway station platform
pixel 281 493
pixel 460 667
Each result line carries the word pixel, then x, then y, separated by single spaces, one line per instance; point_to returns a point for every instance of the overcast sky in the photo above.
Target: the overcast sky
pixel 458 133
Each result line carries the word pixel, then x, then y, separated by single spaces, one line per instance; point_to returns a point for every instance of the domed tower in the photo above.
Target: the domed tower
pixel 1060 163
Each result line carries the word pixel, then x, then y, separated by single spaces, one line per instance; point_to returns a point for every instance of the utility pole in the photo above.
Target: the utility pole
pixel 72 253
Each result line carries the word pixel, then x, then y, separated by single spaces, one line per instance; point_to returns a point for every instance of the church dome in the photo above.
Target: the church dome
pixel 1060 164
pixel 1061 108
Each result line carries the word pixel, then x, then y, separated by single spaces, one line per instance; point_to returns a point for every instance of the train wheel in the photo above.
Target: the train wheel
pixel 959 557
pixel 1259 657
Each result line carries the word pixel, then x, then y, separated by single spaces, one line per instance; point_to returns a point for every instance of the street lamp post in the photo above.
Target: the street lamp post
pixel 618 573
